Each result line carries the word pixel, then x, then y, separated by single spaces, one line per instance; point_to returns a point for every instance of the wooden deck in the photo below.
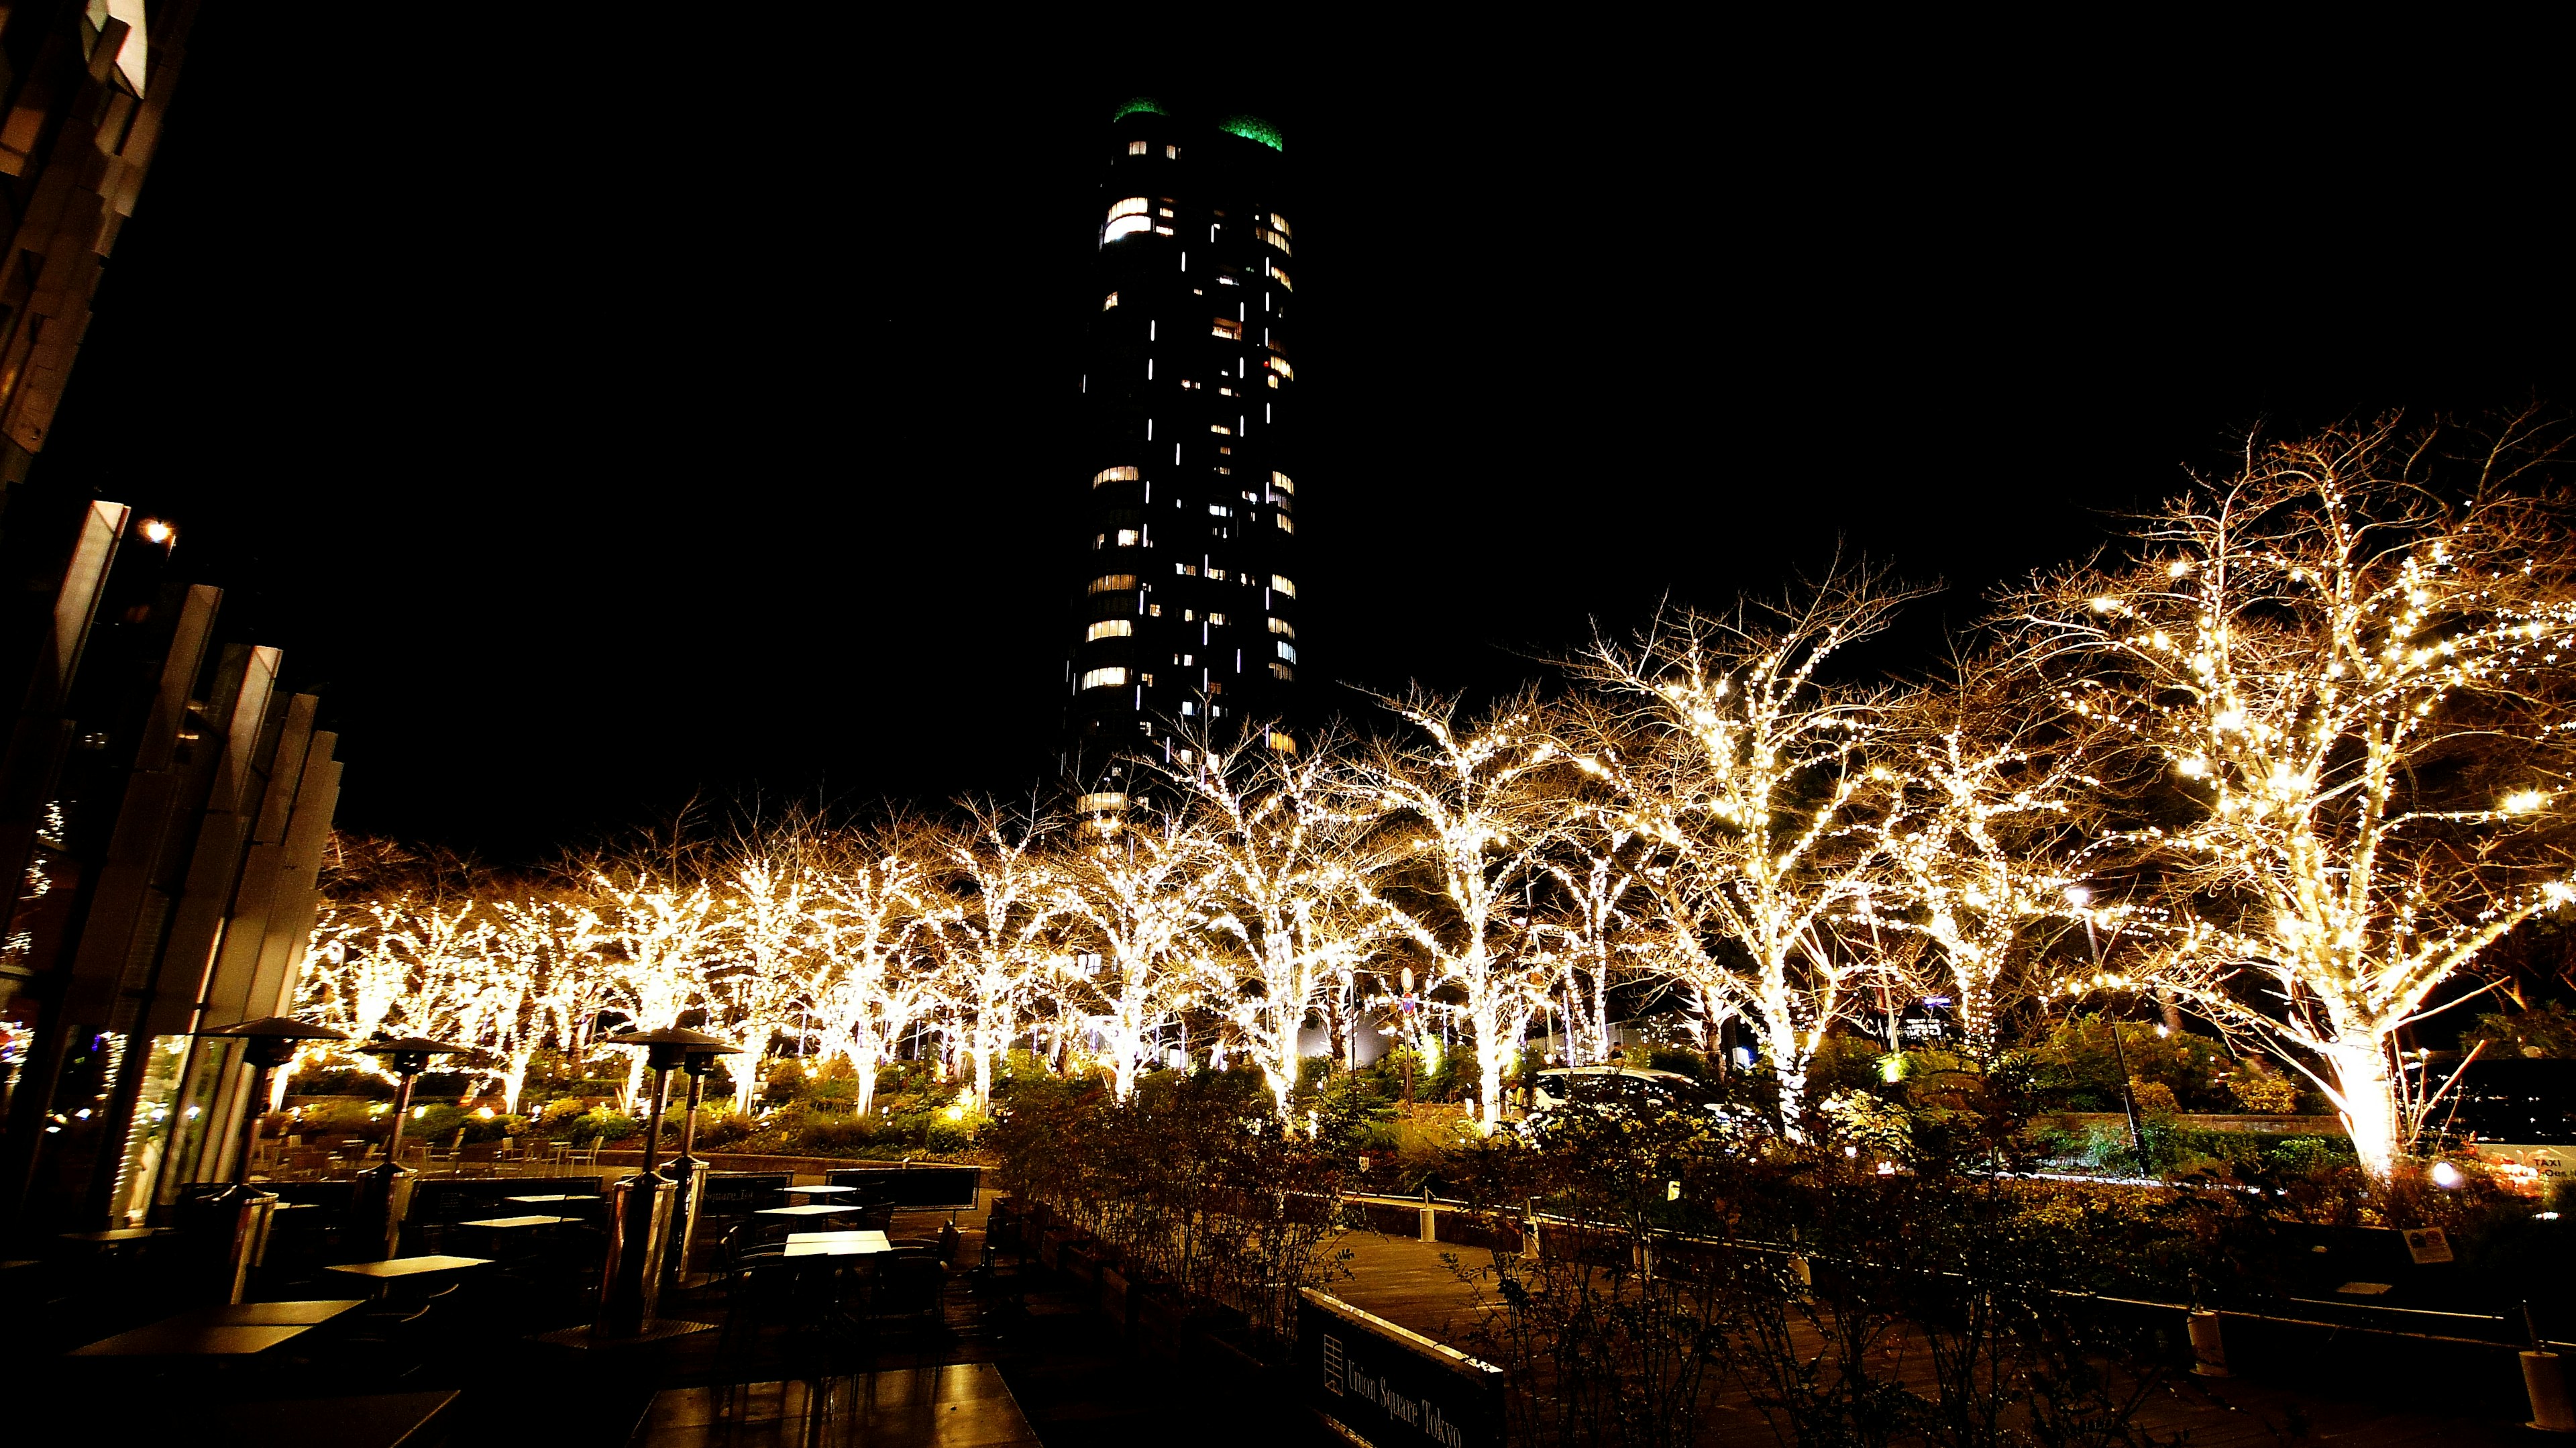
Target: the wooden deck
pixel 1417 1285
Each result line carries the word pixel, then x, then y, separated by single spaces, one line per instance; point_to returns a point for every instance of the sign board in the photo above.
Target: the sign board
pixel 1383 1386
pixel 2427 1245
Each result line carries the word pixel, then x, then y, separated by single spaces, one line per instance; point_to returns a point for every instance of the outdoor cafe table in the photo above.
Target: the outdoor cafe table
pixel 512 1222
pixel 235 1330
pixel 393 1268
pixel 191 1340
pixel 816 1209
pixel 118 1234
pixel 558 1197
pixel 815 1191
pixel 837 1244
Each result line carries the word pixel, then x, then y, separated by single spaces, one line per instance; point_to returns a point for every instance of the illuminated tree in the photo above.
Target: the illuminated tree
pixel 553 945
pixel 346 984
pixel 871 982
pixel 663 932
pixel 434 957
pixel 775 921
pixel 1289 896
pixel 1463 817
pixel 2342 674
pixel 990 931
pixel 1747 768
pixel 1984 819
pixel 1135 892
pixel 1586 926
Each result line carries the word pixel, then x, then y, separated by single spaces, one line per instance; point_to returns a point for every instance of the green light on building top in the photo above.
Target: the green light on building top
pixel 1253 128
pixel 1147 104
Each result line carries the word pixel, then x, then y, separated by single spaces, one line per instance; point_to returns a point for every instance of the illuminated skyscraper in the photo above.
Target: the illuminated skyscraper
pixel 1186 606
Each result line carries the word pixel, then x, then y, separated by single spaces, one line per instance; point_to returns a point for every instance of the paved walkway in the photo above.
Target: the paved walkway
pixel 959 1405
pixel 1417 1285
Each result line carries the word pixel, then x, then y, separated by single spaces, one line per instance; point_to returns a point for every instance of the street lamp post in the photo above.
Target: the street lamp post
pixel 630 1283
pixel 384 1193
pixel 239 1210
pixel 2080 897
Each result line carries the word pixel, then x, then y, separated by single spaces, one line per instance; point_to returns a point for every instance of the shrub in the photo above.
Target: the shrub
pixel 603 1124
pixel 2259 1094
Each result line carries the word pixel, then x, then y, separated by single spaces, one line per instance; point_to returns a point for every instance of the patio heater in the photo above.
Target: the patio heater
pixel 239 1210
pixel 688 1173
pixel 640 1207
pixel 384 1193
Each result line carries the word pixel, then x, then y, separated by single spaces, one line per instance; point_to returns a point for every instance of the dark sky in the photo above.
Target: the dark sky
pixel 596 419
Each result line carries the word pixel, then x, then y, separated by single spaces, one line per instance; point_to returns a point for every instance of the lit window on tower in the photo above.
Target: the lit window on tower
pixel 1281 222
pixel 1109 628
pixel 1286 525
pixel 1277 275
pixel 1228 328
pixel 1282 742
pixel 1109 301
pixel 1275 239
pixel 1286 649
pixel 1113 582
pixel 1280 481
pixel 1283 585
pixel 1127 218
pixel 1104 678
pixel 1127 536
pixel 1282 671
pixel 1280 366
pixel 1114 475
pixel 1283 627
pixel 1140 148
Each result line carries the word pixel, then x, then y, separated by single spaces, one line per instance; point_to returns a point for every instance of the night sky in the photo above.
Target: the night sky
pixel 599 421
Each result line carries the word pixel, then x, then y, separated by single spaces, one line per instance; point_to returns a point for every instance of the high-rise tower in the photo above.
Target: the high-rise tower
pixel 1186 606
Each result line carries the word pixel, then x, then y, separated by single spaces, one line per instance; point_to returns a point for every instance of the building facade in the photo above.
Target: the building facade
pixel 165 800
pixel 1185 616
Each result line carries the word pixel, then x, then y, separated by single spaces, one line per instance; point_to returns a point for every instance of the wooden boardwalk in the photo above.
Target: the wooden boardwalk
pixel 1409 1283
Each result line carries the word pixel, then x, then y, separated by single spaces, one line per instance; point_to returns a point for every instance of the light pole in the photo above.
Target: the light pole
pixel 2080 897
pixel 240 1210
pixel 384 1194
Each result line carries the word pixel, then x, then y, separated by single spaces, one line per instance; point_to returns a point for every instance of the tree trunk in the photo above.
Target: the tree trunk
pixel 2366 1095
pixel 1790 1064
pixel 514 1081
pixel 863 1062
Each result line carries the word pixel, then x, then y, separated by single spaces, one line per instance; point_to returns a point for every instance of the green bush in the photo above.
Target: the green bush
pixel 603 1124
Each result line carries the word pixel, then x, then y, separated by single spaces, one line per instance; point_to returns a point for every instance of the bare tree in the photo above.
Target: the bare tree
pixel 775 915
pixel 1753 780
pixel 1135 893
pixel 991 931
pixel 1289 888
pixel 1464 818
pixel 1985 828
pixel 871 981
pixel 663 929
pixel 552 941
pixel 2343 676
